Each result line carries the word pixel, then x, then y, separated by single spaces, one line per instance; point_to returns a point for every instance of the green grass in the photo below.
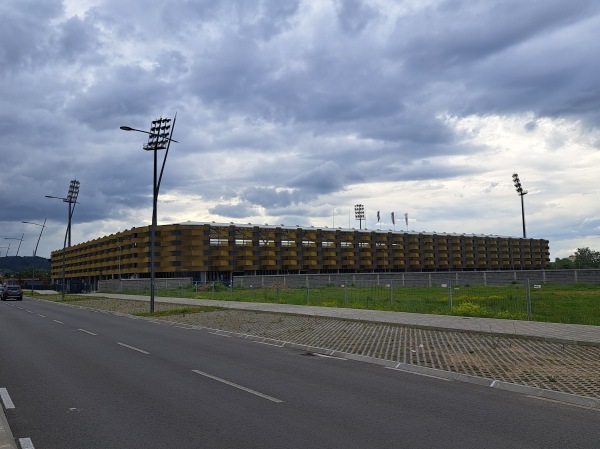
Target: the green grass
pixel 179 311
pixel 576 304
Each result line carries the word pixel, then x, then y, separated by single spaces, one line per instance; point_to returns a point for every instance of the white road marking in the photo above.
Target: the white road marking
pixel 240 387
pixel 586 407
pixel 8 403
pixel 280 345
pixel 219 334
pixel 43 316
pixel 87 332
pixel 329 356
pixel 59 322
pixel 134 348
pixel 26 443
pixel 418 374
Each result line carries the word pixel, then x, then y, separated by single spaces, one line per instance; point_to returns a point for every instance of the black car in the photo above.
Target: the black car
pixel 12 292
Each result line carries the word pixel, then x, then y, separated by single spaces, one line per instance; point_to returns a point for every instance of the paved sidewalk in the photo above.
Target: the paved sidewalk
pixel 555 332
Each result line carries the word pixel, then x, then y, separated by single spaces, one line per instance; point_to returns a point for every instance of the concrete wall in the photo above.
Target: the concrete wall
pixel 116 285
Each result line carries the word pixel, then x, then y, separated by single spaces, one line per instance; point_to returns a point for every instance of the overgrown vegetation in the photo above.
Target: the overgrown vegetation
pixel 576 304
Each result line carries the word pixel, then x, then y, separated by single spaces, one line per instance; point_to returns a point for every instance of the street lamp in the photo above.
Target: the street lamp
pixel 359 214
pixel 521 193
pixel 14 238
pixel 159 138
pixel 71 199
pixel 36 248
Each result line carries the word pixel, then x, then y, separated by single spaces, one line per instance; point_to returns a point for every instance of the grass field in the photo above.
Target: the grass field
pixel 576 304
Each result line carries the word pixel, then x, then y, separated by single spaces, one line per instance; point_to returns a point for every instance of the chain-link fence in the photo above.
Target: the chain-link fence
pixel 525 295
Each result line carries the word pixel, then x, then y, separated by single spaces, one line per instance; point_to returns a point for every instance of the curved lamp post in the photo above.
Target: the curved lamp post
pixel 14 238
pixel 159 138
pixel 36 248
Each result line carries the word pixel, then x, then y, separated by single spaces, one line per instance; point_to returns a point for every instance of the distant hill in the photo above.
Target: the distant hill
pixel 20 263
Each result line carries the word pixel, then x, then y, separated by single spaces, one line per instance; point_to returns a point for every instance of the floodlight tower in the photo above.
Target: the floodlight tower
pixel 72 200
pixel 159 138
pixel 359 214
pixel 521 193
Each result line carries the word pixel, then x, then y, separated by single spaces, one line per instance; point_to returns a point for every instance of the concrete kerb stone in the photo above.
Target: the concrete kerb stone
pixel 7 440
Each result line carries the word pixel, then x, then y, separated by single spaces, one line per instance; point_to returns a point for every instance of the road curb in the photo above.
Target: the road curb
pixel 7 440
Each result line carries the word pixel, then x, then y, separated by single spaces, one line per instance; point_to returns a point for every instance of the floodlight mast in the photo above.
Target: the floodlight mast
pixel 521 193
pixel 71 199
pixel 159 138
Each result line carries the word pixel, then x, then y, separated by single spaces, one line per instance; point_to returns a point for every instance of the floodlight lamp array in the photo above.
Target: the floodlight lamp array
pixel 159 135
pixel 518 185
pixel 359 212
pixel 73 192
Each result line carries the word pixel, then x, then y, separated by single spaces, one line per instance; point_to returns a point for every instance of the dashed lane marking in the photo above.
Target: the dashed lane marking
pixel 239 387
pixel 133 347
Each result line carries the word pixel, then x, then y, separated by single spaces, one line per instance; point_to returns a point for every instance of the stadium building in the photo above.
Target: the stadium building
pixel 214 251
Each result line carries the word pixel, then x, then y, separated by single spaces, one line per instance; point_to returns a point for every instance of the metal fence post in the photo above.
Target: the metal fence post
pixel 450 294
pixel 307 290
pixel 528 299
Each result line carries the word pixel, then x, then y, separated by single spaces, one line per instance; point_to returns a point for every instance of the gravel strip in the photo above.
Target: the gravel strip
pixel 559 367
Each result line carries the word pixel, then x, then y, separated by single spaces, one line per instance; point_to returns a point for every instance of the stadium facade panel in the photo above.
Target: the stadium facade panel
pixel 214 251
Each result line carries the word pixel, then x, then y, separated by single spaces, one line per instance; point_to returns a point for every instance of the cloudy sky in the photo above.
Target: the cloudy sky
pixel 293 111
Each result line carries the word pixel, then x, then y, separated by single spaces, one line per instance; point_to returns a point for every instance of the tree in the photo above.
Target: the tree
pixel 587 258
pixel 562 264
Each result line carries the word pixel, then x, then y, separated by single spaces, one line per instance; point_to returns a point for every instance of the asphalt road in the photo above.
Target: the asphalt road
pixel 85 379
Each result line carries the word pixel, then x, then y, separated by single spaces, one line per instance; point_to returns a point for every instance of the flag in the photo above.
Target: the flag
pixel 393 219
pixel 377 216
pixel 406 218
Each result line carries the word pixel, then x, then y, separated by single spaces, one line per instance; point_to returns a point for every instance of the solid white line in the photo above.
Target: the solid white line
pixel 87 332
pixel 280 345
pixel 418 374
pixel 328 356
pixel 587 407
pixel 219 334
pixel 134 348
pixel 231 384
pixel 8 403
pixel 26 443
pixel 59 322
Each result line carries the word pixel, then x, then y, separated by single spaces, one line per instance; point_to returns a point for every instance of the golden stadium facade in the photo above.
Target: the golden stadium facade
pixel 213 251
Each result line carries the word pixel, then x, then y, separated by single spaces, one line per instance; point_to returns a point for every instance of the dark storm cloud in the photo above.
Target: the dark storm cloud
pixel 282 105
